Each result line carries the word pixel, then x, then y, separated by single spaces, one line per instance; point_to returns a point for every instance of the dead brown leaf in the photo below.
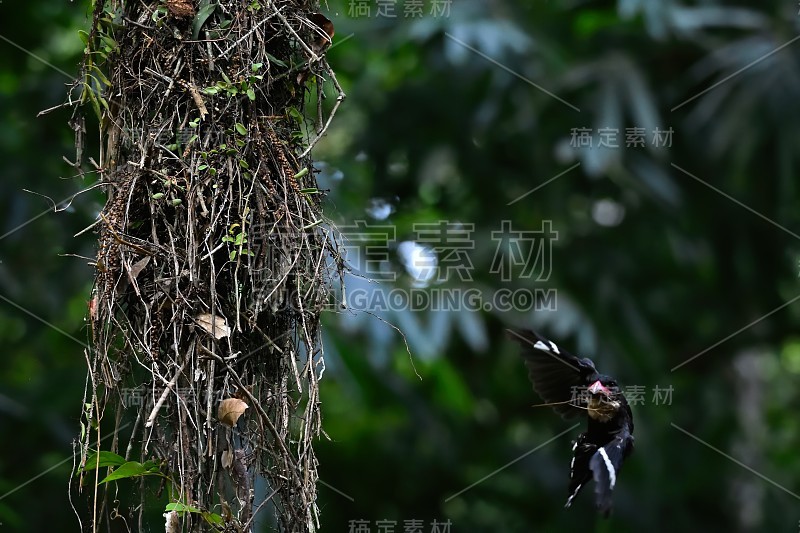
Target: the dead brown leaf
pixel 137 267
pixel 323 32
pixel 230 409
pixel 180 8
pixel 215 325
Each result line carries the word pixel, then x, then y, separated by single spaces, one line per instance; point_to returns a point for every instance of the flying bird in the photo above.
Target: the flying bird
pixel 574 387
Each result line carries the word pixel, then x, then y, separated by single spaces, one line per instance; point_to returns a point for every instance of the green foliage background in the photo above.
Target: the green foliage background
pixel 448 117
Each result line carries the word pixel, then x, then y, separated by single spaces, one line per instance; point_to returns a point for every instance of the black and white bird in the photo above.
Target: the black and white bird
pixel 574 387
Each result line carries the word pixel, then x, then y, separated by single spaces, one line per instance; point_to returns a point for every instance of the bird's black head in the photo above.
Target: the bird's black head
pixel 604 384
pixel 604 398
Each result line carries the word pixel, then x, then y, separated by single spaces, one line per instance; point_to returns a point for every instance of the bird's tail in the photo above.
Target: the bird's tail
pixel 605 465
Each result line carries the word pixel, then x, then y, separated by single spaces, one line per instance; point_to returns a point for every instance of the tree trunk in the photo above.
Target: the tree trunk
pixel 213 263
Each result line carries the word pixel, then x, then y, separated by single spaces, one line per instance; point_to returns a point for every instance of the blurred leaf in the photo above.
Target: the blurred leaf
pixel 105 459
pixel 129 470
pixel 206 9
pixel 181 507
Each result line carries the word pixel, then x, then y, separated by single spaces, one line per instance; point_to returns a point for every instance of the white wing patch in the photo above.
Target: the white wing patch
pixel 545 348
pixel 572 463
pixel 572 496
pixel 612 475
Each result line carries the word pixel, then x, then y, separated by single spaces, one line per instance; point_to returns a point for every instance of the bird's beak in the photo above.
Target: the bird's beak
pixel 599 388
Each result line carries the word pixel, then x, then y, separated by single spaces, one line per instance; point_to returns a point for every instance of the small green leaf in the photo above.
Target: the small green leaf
pixel 251 94
pixel 93 100
pixel 241 129
pixel 276 60
pixel 181 507
pixel 85 38
pixel 109 42
pixel 254 66
pixel 176 202
pixel 295 114
pixel 151 466
pixel 214 519
pixel 243 163
pixel 106 459
pixel 302 172
pixel 127 470
pixel 158 196
pixel 159 13
pixel 233 255
pixel 202 16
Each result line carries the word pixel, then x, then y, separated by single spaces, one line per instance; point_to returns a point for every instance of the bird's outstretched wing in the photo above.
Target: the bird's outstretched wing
pixel 557 375
pixel 579 472
pixel 605 465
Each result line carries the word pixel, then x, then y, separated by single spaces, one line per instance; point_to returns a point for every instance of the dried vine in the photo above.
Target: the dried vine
pixel 213 263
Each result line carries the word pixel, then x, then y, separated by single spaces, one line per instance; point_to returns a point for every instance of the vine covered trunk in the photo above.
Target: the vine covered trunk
pixel 214 263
